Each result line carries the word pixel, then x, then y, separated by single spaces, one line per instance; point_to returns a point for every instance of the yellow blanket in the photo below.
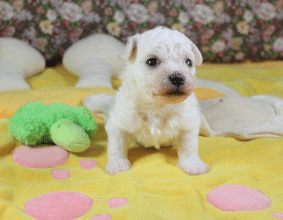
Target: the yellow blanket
pixel 154 188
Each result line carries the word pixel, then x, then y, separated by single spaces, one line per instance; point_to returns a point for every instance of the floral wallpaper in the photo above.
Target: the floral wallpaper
pixel 224 30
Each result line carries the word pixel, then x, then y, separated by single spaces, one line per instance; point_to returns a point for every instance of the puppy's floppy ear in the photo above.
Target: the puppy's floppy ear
pixel 130 51
pixel 197 54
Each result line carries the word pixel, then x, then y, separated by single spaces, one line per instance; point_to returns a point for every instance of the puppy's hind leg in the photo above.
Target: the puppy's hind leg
pixel 189 160
pixel 118 142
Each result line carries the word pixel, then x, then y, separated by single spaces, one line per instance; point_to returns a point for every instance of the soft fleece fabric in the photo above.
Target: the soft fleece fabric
pixel 154 188
pixel 244 118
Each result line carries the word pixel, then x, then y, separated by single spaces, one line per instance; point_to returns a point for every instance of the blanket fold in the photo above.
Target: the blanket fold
pixel 240 117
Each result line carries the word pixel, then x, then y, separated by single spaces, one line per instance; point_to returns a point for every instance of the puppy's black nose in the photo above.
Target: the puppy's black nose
pixel 177 79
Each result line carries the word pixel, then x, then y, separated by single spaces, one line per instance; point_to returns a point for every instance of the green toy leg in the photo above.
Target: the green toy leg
pixel 70 136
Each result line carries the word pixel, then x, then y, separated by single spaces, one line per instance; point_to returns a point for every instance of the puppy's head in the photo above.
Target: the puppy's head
pixel 161 64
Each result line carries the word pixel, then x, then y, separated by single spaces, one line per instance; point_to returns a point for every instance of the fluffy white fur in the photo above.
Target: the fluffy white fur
pixel 146 108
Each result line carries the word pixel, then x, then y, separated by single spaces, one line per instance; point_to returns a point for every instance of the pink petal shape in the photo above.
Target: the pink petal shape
pixel 60 174
pixel 278 215
pixel 101 217
pixel 116 202
pixel 60 205
pixel 40 157
pixel 238 198
pixel 88 164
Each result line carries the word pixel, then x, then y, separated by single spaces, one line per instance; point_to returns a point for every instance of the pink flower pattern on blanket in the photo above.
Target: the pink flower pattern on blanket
pixel 68 205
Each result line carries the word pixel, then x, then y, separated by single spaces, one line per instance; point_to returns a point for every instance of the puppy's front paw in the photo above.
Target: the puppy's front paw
pixel 193 166
pixel 115 166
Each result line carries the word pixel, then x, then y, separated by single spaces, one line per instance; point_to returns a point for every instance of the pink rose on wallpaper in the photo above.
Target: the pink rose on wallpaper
pixel 197 26
pixel 205 36
pixel 216 28
pixel 173 13
pixel 266 34
pixel 254 50
pixel 135 1
pixel 200 2
pixel 65 24
pixel 8 31
pixel 74 34
pixel 132 25
pixel 61 51
pixel 84 25
pixel 239 12
pixel 17 25
pixel 277 23
pixel 40 10
pixel 150 25
pixel 108 12
pixel 260 23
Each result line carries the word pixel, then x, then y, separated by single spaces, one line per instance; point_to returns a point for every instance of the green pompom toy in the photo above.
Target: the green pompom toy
pixel 69 127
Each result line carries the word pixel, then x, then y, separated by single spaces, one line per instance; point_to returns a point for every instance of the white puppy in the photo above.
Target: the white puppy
pixel 156 105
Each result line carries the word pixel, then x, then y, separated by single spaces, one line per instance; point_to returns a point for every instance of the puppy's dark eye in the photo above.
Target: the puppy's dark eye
pixel 189 62
pixel 152 62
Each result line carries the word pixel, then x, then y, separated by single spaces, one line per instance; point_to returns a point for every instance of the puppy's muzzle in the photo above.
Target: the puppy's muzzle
pixel 178 90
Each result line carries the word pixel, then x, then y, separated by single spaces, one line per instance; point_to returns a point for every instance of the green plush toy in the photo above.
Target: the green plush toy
pixel 69 127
